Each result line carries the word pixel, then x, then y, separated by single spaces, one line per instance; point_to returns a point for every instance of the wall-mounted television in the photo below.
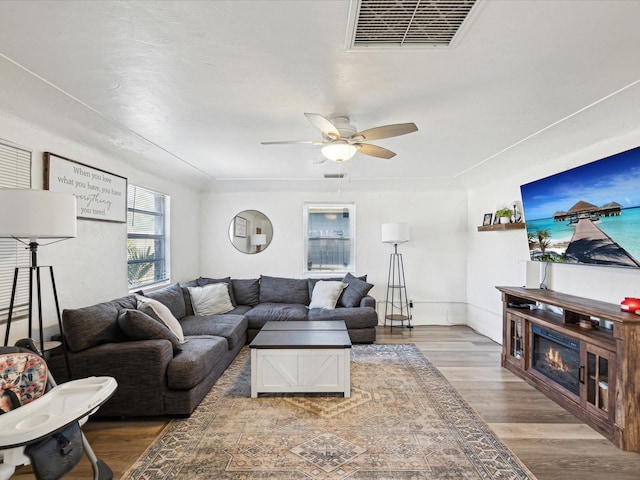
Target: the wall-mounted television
pixel 587 215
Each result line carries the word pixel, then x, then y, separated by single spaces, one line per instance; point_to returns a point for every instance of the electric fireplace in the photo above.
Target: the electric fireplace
pixel 590 370
pixel 557 357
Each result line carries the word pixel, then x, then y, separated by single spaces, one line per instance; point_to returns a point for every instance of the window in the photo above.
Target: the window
pixel 329 237
pixel 147 237
pixel 15 172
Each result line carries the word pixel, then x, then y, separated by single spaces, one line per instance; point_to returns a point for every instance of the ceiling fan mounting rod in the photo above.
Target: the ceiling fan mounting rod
pixel 343 125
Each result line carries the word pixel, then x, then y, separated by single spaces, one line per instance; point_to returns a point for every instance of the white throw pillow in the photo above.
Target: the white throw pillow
pixel 161 313
pixel 326 293
pixel 211 299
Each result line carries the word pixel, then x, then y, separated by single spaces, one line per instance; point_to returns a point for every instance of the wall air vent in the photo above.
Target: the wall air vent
pixel 385 24
pixel 334 175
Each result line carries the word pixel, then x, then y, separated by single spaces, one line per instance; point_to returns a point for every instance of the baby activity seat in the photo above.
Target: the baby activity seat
pixel 40 421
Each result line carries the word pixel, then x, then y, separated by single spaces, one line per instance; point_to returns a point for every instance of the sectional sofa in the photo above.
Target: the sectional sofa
pixel 166 348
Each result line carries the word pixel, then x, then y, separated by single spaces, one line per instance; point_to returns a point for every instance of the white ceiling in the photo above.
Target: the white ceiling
pixel 189 89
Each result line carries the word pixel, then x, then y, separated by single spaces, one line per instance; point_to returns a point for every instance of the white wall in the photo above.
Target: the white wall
pixel 93 267
pixel 451 268
pixel 434 259
pixel 502 257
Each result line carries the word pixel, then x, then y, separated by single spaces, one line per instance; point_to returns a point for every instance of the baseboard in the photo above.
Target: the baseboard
pixel 432 313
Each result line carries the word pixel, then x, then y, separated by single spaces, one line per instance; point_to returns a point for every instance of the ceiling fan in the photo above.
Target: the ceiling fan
pixel 341 140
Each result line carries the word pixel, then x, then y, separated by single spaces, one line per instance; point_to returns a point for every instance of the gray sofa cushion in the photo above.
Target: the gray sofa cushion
pixel 240 310
pixel 275 312
pixel 246 291
pixel 284 290
pixel 354 318
pixel 231 327
pixel 90 326
pixel 172 298
pixel 138 325
pixel 197 358
pixel 355 291
pixel 202 281
pixel 188 307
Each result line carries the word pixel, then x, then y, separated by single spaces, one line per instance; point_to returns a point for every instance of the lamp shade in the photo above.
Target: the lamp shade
pixel 339 150
pixel 33 214
pixel 258 239
pixel 395 232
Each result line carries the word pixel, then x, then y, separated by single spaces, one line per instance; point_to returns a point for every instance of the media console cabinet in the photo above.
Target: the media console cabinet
pixel 584 354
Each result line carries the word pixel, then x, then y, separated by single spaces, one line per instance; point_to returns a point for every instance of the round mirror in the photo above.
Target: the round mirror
pixel 250 231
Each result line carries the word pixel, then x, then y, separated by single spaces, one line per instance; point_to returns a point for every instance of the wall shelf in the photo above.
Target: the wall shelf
pixel 502 226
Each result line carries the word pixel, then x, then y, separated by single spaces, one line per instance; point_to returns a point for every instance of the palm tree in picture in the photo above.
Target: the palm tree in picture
pixel 543 242
pixel 140 262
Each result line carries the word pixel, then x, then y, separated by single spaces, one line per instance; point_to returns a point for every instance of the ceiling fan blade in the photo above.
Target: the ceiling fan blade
pixel 327 128
pixel 319 158
pixel 386 131
pixel 307 142
pixel 375 151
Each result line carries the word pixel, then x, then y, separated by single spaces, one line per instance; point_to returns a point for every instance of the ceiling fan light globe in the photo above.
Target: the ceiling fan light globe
pixel 339 152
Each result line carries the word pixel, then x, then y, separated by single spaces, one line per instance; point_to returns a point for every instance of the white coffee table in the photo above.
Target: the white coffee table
pixel 301 357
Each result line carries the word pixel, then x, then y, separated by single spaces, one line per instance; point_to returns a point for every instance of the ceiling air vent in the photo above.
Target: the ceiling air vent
pixel 406 23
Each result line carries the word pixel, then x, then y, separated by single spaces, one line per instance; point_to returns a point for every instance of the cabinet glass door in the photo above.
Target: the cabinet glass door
pixel 516 339
pixel 598 379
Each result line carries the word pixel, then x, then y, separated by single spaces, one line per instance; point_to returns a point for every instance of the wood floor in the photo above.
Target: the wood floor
pixel 552 443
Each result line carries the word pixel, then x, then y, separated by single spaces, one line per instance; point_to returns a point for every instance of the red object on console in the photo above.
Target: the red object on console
pixel 630 304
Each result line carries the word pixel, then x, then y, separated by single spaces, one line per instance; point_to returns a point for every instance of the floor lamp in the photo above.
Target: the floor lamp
pixel 258 240
pixel 396 307
pixel 29 216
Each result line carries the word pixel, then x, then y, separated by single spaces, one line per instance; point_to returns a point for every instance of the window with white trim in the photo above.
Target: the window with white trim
pixel 147 237
pixel 329 237
pixel 15 172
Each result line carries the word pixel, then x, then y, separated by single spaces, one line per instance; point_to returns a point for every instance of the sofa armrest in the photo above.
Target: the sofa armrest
pixel 139 367
pixel 122 360
pixel 368 301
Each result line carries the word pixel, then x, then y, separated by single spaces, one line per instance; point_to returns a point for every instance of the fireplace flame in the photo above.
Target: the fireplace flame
pixel 554 359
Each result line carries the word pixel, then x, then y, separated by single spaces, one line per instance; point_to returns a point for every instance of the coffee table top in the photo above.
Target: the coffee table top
pixel 302 335
pixel 304 325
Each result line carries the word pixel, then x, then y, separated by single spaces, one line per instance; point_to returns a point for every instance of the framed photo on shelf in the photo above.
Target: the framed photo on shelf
pixel 239 227
pixel 487 219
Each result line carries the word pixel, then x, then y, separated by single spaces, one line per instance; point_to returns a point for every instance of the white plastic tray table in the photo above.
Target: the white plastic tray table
pixel 58 407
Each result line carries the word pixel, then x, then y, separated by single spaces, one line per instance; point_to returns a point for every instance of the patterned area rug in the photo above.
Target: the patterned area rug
pixel 403 421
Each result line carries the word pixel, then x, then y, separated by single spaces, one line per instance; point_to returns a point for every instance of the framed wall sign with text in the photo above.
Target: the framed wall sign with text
pixel 100 195
pixel 239 226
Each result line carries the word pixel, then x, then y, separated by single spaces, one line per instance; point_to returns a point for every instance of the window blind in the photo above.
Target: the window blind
pixel 329 237
pixel 15 172
pixel 147 236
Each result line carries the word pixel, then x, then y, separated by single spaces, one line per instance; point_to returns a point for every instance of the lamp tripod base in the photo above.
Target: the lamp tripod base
pixel 34 281
pixel 397 306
